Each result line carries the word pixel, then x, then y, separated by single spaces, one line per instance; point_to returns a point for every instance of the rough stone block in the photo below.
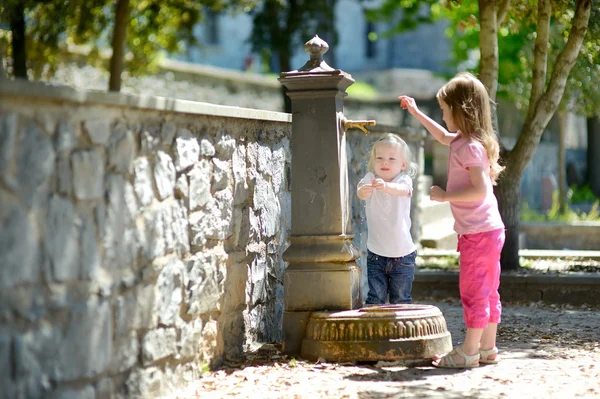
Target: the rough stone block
pixel 164 175
pixel 169 291
pixel 98 130
pixel 19 254
pixel 35 161
pixel 88 174
pixel 158 344
pixel 87 348
pixel 187 150
pixel 61 244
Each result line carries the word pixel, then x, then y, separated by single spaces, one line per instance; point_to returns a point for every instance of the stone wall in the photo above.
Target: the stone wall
pixel 577 235
pixel 141 239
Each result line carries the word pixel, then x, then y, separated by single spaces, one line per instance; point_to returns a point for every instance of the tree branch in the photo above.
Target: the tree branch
pixel 488 46
pixel 540 55
pixel 550 100
pixel 502 11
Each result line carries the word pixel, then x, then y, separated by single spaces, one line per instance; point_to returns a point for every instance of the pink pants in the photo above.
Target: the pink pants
pixel 479 277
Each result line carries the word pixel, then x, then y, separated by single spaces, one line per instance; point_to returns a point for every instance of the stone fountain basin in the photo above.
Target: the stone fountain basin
pixel 408 334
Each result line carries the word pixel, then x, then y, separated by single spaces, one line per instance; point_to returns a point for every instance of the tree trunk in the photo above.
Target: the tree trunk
pixel 17 28
pixel 508 193
pixel 488 46
pixel 562 164
pixel 593 154
pixel 118 45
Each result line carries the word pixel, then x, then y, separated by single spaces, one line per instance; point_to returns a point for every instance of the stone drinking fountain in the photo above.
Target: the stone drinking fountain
pixel 322 316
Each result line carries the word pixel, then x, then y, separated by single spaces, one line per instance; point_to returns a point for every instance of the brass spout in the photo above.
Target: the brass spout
pixel 348 124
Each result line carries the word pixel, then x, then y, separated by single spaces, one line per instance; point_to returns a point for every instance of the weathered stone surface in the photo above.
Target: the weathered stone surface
pixel 154 221
pixel 264 160
pixel 126 351
pixel 211 345
pixel 204 288
pixel 88 174
pixel 164 175
pixel 240 182
pixel 86 392
pixel 145 383
pixel 5 358
pixel 235 282
pixel 135 310
pixel 150 139
pixel 158 344
pixel 169 292
pixel 225 145
pixel 19 254
pixel 215 221
pixel 207 149
pixel 265 200
pixel 182 187
pixel 61 241
pixel 66 138
pixel 65 177
pixel 98 130
pixel 87 347
pixel 105 389
pixel 90 258
pixel 121 150
pixel 187 150
pixel 167 133
pixel 120 242
pixel 278 169
pixel 35 161
pixel 200 177
pixel 8 134
pixel 180 228
pixel 258 276
pixel 241 229
pixel 143 181
pixel 190 336
pixel 220 179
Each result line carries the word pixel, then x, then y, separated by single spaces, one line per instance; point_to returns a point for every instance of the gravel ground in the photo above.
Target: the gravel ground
pixel 547 352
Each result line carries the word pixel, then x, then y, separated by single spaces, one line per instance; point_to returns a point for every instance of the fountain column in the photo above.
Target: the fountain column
pixel 322 273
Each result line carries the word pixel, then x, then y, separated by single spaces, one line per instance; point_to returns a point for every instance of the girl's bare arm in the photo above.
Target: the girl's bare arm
pixel 437 131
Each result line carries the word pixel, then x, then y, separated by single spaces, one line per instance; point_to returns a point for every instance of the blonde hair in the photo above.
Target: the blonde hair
pixel 394 140
pixel 469 103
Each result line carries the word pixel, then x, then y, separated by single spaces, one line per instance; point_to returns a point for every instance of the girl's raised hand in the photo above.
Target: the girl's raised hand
pixel 408 103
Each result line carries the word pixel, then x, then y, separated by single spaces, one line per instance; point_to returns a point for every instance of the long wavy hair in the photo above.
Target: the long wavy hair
pixel 470 105
pixel 394 140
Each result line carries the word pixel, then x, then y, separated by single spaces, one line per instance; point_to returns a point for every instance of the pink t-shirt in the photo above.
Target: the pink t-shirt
pixel 476 216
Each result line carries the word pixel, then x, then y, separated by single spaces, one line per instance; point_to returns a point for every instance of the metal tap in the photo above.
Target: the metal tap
pixel 348 124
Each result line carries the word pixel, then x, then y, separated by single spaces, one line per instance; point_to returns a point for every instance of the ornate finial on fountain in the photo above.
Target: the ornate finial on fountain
pixel 316 48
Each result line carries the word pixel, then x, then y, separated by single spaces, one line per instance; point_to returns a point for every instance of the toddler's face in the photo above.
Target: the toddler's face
pixel 388 161
pixel 447 117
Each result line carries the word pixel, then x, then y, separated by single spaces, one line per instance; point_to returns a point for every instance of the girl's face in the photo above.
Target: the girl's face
pixel 388 161
pixel 447 117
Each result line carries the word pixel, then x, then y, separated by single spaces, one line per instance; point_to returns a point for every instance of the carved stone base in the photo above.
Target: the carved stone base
pixel 323 286
pixel 409 333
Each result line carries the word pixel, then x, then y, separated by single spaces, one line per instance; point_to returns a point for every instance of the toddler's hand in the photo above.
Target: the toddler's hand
pixel 378 184
pixel 366 190
pixel 437 194
pixel 409 104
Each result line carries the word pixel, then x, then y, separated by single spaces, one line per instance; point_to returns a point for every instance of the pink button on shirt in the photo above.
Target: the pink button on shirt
pixel 476 216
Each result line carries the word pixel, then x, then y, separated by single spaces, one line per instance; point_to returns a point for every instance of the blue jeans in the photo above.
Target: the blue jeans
pixel 390 276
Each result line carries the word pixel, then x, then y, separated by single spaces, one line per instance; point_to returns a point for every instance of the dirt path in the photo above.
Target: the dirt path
pixel 547 352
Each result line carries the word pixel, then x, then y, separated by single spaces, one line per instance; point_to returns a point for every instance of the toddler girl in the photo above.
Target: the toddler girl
pixel 387 190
